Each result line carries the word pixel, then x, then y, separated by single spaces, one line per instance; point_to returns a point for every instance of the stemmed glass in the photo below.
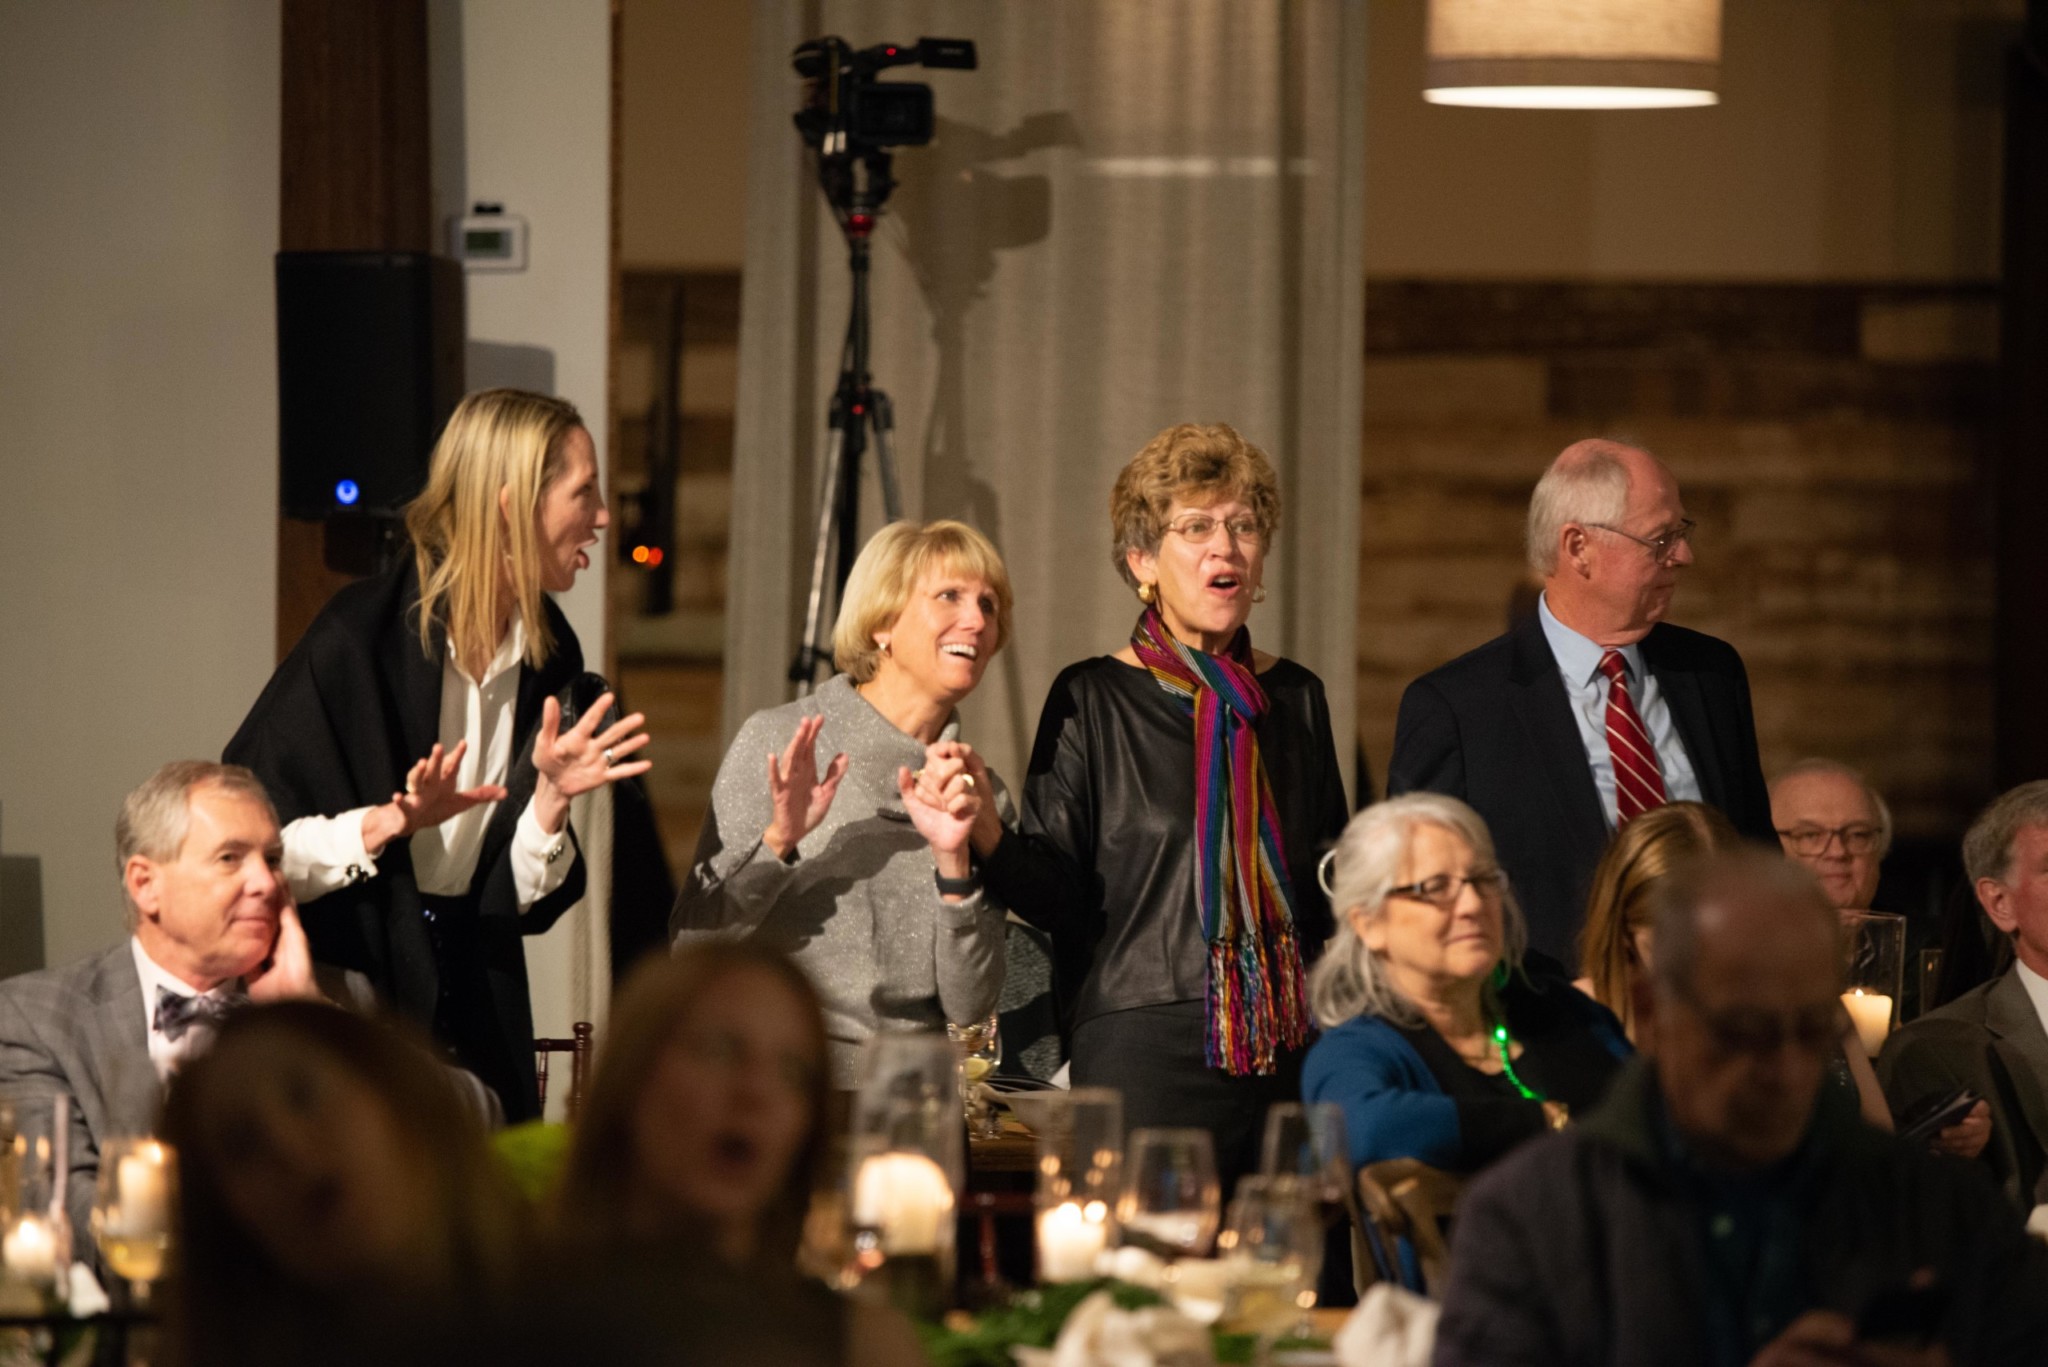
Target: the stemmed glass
pixel 1276 1240
pixel 132 1209
pixel 1171 1200
pixel 981 1047
pixel 1309 1142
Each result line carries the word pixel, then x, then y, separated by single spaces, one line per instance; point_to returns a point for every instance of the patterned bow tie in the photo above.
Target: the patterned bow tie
pixel 175 1014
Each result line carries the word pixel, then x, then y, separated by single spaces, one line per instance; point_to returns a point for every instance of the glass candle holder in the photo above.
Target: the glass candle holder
pixel 906 1155
pixel 1875 976
pixel 1080 1177
pixel 35 1240
pixel 133 1209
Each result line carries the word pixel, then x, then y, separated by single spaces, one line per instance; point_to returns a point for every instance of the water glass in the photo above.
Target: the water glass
pixel 1171 1200
pixel 1274 1239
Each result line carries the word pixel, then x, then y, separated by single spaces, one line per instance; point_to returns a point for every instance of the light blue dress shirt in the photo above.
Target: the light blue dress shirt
pixel 1578 660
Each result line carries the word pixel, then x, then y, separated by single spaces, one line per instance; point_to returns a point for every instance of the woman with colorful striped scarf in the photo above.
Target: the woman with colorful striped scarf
pixel 1179 795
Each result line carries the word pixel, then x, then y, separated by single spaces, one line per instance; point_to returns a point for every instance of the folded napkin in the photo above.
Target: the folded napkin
pixel 1098 1334
pixel 1392 1327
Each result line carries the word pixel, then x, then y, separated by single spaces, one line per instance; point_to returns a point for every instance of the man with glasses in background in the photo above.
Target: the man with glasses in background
pixel 1595 709
pixel 1830 819
pixel 1994 1039
pixel 1722 1206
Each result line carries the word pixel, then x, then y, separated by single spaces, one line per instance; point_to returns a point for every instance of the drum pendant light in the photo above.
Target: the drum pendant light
pixel 1574 54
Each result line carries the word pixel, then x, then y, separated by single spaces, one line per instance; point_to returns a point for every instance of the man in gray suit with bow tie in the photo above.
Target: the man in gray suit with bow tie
pixel 1994 1040
pixel 212 923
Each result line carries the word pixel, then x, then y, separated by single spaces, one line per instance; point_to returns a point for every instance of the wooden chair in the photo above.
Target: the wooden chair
pixel 1403 1199
pixel 579 1051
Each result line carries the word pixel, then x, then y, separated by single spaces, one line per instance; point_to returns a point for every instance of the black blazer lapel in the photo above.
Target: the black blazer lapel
pixel 1693 719
pixel 1536 694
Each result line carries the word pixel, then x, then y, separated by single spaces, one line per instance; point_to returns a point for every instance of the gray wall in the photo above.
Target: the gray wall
pixel 139 156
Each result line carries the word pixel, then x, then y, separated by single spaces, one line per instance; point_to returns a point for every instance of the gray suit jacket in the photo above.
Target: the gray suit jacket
pixel 1991 1041
pixel 80 1029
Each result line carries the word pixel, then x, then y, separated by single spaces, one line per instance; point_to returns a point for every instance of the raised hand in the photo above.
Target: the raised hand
pixel 430 798
pixel 799 796
pixel 582 758
pixel 288 972
pixel 948 757
pixel 943 801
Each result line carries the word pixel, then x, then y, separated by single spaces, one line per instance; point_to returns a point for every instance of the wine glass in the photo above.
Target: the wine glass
pixel 981 1047
pixel 131 1210
pixel 1309 1142
pixel 1171 1200
pixel 1275 1241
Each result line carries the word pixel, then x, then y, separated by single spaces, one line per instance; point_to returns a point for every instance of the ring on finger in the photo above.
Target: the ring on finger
pixel 967 780
pixel 607 757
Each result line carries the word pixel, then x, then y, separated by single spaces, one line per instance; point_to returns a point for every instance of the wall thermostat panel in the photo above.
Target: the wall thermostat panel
pixel 488 240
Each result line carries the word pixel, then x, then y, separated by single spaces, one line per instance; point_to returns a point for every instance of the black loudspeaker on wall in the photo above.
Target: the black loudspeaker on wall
pixel 369 366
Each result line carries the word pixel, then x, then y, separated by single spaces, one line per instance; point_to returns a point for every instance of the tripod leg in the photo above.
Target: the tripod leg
pixel 803 671
pixel 883 416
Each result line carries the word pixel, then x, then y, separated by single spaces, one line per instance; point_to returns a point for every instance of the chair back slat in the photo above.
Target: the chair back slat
pixel 579 1049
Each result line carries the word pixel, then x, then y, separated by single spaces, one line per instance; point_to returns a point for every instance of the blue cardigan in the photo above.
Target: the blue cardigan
pixel 1393 1106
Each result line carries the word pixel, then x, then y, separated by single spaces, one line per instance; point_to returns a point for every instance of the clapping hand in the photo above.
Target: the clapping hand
pixel 430 798
pixel 988 822
pixel 582 758
pixel 800 798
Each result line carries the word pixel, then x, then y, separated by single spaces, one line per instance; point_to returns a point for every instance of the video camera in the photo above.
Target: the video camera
pixel 847 112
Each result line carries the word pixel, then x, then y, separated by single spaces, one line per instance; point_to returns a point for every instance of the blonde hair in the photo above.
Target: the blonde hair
pixel 888 570
pixel 1642 855
pixel 1196 463
pixel 496 439
pixel 1350 980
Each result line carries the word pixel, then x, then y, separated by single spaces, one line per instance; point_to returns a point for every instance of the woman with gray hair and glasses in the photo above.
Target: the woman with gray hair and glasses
pixel 1437 1042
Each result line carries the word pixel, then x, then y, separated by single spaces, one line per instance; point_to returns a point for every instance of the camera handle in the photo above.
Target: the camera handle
pixel 857 409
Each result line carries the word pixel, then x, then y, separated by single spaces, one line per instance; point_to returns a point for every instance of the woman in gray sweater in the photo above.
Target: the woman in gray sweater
pixel 851 850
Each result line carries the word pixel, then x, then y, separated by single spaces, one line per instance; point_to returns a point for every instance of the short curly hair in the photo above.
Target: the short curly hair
pixel 1195 463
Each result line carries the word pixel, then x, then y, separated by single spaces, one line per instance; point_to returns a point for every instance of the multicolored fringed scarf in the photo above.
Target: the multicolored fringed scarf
pixel 1258 997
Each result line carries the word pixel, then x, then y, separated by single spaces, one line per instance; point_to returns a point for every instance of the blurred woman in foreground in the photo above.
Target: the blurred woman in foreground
pixel 339 1204
pixel 693 1167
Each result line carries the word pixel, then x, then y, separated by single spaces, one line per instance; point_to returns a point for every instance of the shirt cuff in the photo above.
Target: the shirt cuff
pixel 323 853
pixel 540 862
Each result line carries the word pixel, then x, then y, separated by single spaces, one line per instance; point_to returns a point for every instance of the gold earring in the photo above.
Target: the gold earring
pixel 1146 593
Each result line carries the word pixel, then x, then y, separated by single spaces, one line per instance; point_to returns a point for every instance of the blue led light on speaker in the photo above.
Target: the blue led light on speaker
pixel 346 492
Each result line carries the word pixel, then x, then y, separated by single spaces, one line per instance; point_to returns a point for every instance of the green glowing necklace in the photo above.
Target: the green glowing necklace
pixel 1503 1044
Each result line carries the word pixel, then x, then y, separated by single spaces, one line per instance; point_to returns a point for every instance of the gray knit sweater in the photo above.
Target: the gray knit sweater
pixel 857 907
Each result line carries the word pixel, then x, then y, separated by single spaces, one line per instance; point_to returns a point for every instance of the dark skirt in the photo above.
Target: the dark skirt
pixel 1155 1056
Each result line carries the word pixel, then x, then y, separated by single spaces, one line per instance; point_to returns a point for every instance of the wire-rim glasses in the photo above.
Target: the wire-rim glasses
pixel 1658 546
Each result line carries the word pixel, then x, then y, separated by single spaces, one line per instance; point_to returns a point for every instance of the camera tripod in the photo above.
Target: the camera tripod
pixel 858 409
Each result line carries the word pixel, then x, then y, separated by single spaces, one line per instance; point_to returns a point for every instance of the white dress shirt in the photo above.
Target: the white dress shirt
pixel 2037 990
pixel 1578 661
pixel 166 1053
pixel 322 853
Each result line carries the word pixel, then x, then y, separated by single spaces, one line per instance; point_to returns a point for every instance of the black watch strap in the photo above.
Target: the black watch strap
pixel 957 887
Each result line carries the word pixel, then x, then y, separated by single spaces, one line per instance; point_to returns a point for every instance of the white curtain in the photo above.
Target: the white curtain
pixel 1136 212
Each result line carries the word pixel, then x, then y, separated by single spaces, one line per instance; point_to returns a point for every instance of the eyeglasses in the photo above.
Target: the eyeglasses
pixel 1199 527
pixel 1443 890
pixel 1814 1029
pixel 1812 840
pixel 1658 546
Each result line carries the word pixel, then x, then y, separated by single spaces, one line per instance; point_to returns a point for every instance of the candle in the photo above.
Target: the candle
pixel 1872 1013
pixel 29 1251
pixel 1070 1237
pixel 144 1200
pixel 904 1196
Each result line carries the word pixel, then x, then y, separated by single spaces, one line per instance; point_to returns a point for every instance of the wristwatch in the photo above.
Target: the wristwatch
pixel 957 887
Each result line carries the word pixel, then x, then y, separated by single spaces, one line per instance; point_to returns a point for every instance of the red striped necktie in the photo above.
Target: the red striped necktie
pixel 1638 783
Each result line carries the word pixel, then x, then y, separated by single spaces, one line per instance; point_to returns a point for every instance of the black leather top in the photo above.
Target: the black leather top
pixel 1105 859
